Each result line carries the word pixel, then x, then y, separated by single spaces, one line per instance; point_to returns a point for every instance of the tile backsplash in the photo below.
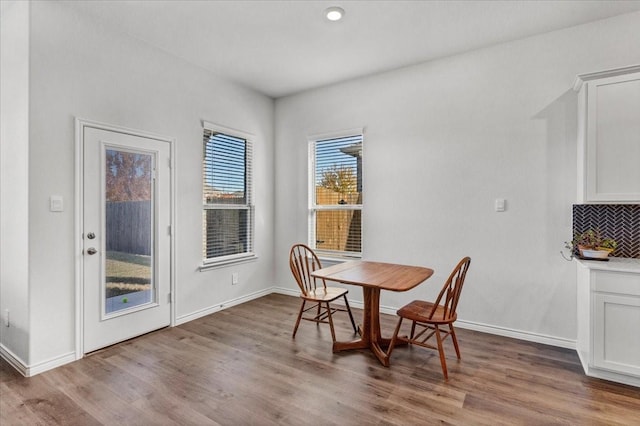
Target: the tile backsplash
pixel 618 221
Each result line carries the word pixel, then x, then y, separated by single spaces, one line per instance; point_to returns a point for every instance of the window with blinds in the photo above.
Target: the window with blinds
pixel 336 196
pixel 227 216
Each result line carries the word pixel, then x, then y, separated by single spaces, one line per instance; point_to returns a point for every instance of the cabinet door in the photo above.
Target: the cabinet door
pixel 613 139
pixel 616 333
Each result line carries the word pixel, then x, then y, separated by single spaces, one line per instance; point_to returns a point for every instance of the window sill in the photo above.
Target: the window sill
pixel 226 262
pixel 337 259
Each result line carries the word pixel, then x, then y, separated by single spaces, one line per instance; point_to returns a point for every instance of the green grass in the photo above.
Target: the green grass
pixel 136 259
pixel 127 273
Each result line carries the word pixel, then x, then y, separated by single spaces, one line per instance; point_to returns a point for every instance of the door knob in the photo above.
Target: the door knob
pixel 91 250
pixel 91 235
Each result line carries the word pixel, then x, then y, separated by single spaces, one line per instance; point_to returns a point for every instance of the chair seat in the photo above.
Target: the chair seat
pixel 303 261
pixel 433 319
pixel 419 310
pixel 324 294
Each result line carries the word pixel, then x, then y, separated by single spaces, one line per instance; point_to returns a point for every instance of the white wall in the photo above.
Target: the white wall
pixel 80 68
pixel 445 139
pixel 14 179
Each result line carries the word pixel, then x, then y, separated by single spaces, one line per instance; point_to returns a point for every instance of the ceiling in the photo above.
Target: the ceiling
pixel 283 47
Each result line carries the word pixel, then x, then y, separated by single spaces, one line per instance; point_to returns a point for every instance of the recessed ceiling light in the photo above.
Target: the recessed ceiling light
pixel 334 13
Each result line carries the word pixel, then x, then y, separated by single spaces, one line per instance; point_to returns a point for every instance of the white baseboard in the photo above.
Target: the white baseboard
pixel 503 331
pixel 601 373
pixel 13 360
pixel 470 325
pixel 518 334
pixel 30 370
pixel 220 306
pixel 286 291
pixel 40 367
pixel 584 360
pixel 50 364
pixel 613 376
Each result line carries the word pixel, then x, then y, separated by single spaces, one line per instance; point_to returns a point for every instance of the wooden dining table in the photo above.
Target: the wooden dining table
pixel 373 277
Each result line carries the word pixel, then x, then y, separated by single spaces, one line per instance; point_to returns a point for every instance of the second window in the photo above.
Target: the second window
pixel 335 226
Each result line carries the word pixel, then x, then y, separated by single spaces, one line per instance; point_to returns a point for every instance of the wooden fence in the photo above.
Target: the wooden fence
pixel 128 227
pixel 337 229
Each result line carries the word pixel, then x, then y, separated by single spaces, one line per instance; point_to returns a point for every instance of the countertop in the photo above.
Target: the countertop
pixel 619 264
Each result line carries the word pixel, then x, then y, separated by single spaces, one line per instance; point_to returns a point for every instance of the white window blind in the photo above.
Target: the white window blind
pixel 227 197
pixel 336 196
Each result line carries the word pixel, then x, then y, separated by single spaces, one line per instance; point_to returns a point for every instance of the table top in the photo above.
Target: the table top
pixel 387 276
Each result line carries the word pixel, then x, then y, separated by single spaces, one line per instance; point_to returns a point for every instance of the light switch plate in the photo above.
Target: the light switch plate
pixel 500 204
pixel 56 204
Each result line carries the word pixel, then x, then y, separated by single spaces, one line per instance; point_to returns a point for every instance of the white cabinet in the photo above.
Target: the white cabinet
pixel 609 321
pixel 609 136
pixel 616 321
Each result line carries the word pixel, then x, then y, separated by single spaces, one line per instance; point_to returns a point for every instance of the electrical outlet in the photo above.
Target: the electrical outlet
pixel 234 278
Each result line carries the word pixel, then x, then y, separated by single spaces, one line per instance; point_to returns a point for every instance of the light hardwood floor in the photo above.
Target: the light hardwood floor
pixel 240 366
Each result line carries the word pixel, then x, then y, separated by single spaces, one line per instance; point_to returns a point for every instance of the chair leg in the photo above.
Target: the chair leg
pixel 454 339
pixel 333 333
pixel 319 311
pixel 413 330
pixel 295 329
pixel 353 323
pixel 392 344
pixel 441 350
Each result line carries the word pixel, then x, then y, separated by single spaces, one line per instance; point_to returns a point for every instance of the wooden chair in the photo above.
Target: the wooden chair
pixel 303 261
pixel 431 318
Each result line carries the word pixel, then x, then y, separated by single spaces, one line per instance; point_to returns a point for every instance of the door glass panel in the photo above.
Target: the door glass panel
pixel 129 280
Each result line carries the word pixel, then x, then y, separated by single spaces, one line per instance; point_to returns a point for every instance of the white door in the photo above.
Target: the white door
pixel 126 236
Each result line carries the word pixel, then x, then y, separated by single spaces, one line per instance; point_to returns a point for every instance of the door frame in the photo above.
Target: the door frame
pixel 80 125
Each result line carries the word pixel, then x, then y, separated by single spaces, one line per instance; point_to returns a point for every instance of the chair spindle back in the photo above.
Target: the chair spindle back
pixel 450 293
pixel 303 261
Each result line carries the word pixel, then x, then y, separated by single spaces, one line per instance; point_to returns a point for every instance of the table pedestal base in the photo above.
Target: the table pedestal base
pixel 370 336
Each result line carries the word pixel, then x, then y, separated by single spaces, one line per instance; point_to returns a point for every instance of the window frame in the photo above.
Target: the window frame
pixel 209 263
pixel 313 208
